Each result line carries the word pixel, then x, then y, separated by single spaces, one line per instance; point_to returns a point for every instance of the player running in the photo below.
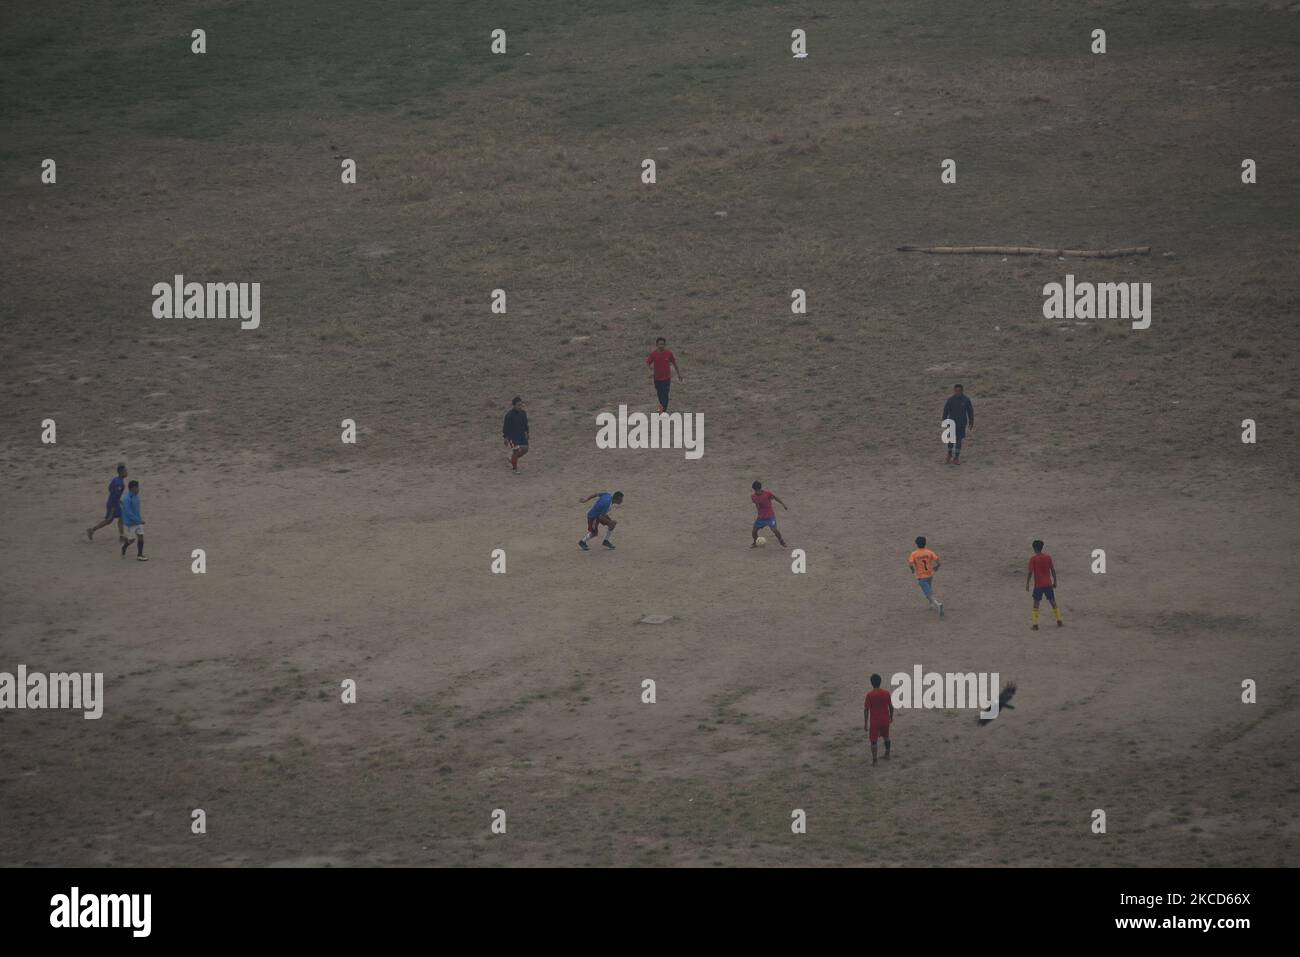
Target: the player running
pixel 766 513
pixel 113 510
pixel 660 361
pixel 1043 574
pixel 515 431
pixel 924 563
pixel 959 409
pixel 877 716
pixel 599 515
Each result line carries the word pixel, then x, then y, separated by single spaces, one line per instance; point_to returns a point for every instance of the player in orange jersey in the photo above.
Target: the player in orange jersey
pixel 924 563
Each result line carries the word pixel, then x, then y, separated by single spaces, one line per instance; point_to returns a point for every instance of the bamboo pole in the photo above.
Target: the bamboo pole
pixel 1028 251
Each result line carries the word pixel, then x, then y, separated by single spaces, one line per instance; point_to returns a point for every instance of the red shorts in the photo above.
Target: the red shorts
pixel 879 731
pixel 593 524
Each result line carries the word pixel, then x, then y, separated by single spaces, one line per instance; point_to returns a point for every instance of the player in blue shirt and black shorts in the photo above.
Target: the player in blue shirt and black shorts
pixel 598 515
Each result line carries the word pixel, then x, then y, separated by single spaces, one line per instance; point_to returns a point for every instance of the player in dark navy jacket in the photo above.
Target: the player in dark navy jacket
pixel 113 509
pixel 962 413
pixel 515 431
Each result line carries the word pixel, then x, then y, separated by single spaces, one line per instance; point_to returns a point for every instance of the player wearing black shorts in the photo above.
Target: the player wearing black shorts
pixel 515 431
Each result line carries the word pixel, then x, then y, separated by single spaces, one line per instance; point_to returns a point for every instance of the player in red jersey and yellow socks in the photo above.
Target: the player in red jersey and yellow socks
pixel 1043 574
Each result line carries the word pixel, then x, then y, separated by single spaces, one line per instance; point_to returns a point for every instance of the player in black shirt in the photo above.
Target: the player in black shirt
pixel 515 431
pixel 959 409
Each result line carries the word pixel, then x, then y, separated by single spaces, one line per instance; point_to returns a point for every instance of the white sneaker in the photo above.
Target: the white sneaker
pixel 940 604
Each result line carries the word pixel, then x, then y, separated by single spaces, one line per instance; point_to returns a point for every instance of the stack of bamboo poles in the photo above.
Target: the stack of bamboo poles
pixel 1028 251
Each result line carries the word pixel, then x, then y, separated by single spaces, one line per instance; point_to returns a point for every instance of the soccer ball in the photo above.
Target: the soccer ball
pixel 761 540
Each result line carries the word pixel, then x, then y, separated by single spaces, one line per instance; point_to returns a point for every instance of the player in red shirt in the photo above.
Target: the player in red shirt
pixel 766 513
pixel 1043 574
pixel 660 362
pixel 877 716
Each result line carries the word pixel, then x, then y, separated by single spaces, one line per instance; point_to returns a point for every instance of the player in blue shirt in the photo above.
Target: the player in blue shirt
pixel 599 515
pixel 113 510
pixel 134 523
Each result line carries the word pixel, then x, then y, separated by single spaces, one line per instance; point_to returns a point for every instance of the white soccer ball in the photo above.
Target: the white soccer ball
pixel 761 540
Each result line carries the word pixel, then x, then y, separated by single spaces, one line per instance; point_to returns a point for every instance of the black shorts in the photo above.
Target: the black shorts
pixel 661 387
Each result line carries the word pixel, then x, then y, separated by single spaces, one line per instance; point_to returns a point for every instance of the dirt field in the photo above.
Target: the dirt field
pixel 523 691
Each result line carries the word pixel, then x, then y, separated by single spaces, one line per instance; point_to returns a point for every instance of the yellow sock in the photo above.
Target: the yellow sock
pixel 1035 619
pixel 1058 613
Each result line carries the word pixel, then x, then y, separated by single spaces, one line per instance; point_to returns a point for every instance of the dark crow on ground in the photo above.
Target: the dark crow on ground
pixel 1004 701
